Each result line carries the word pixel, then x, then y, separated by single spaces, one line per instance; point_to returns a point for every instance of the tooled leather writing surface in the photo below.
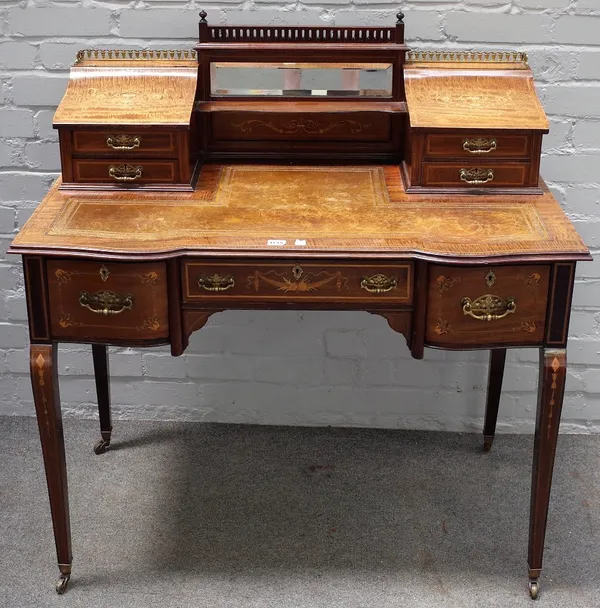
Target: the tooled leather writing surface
pixel 350 210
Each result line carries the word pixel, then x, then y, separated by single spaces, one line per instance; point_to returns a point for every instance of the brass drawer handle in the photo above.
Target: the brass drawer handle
pixel 123 142
pixel 480 145
pixel 476 177
pixel 125 173
pixel 216 282
pixel 379 283
pixel 488 307
pixel 106 302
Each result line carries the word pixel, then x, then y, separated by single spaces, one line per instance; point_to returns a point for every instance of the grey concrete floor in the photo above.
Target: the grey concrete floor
pixel 225 516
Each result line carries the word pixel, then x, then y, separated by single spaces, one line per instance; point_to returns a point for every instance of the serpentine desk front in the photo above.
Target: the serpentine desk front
pixel 448 271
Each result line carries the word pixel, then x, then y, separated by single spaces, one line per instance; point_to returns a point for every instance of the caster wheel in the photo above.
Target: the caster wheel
pixel 534 589
pixel 101 446
pixel 61 585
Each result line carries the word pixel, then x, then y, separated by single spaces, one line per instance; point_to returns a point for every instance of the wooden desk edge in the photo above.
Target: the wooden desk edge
pixel 571 256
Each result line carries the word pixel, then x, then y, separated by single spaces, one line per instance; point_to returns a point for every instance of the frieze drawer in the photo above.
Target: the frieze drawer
pixel 487 145
pixel 301 126
pixel 125 143
pixel 480 175
pixel 487 305
pixel 125 173
pixel 391 283
pixel 95 301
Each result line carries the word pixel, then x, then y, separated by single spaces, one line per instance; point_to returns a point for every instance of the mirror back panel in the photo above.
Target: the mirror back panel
pixel 301 93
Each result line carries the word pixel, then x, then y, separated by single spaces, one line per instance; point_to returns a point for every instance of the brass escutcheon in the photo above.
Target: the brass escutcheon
pixel 106 302
pixel 125 173
pixel 216 282
pixel 488 307
pixel 490 278
pixel 297 272
pixel 379 283
pixel 123 142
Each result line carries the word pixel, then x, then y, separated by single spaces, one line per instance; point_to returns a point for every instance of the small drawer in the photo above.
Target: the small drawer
pixel 484 175
pixel 95 301
pixel 472 306
pixel 301 126
pixel 283 281
pixel 125 173
pixel 477 146
pixel 125 143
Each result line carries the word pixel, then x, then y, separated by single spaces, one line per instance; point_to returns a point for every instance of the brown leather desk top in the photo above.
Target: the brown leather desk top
pixel 356 211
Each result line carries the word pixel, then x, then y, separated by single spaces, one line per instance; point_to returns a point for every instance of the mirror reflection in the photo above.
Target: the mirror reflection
pixel 293 79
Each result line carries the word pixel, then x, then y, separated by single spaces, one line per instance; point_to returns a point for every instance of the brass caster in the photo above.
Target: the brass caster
pixel 487 443
pixel 534 589
pixel 101 446
pixel 61 584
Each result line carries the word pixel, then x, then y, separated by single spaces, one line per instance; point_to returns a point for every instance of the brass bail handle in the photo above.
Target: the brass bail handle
pixel 488 307
pixel 476 177
pixel 123 142
pixel 216 282
pixel 125 173
pixel 480 145
pixel 378 283
pixel 106 302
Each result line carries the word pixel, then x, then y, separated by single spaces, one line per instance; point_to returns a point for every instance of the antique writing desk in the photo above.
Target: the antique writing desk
pixel 409 188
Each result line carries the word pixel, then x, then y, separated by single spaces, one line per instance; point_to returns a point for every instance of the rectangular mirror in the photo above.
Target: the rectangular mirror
pixel 295 79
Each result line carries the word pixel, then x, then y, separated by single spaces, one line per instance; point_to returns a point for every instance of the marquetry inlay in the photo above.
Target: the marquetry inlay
pixel 311 127
pixel 529 326
pixel 40 363
pixel 63 276
pixel 149 278
pixel 555 365
pixel 298 281
pixel 151 323
pixel 442 327
pixel 67 320
pixel 445 283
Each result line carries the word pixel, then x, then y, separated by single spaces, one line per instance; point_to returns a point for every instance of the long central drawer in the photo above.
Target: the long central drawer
pixel 294 282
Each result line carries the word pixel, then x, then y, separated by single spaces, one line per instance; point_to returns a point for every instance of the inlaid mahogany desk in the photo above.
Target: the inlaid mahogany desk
pixel 426 209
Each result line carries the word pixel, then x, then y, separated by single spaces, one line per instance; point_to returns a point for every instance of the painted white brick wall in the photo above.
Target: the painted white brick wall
pixel 300 367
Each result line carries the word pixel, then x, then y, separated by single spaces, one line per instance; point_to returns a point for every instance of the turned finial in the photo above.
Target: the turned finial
pixel 203 15
pixel 400 17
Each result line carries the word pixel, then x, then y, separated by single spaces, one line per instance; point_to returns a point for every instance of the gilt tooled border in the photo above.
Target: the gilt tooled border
pixel 457 243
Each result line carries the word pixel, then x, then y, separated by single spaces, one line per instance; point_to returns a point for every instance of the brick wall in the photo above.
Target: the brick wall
pixel 288 367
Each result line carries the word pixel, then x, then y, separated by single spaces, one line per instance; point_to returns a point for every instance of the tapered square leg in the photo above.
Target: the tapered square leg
pixel 101 373
pixel 495 377
pixel 44 380
pixel 553 371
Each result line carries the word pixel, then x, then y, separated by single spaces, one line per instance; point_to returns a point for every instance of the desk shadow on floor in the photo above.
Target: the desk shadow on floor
pixel 227 501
